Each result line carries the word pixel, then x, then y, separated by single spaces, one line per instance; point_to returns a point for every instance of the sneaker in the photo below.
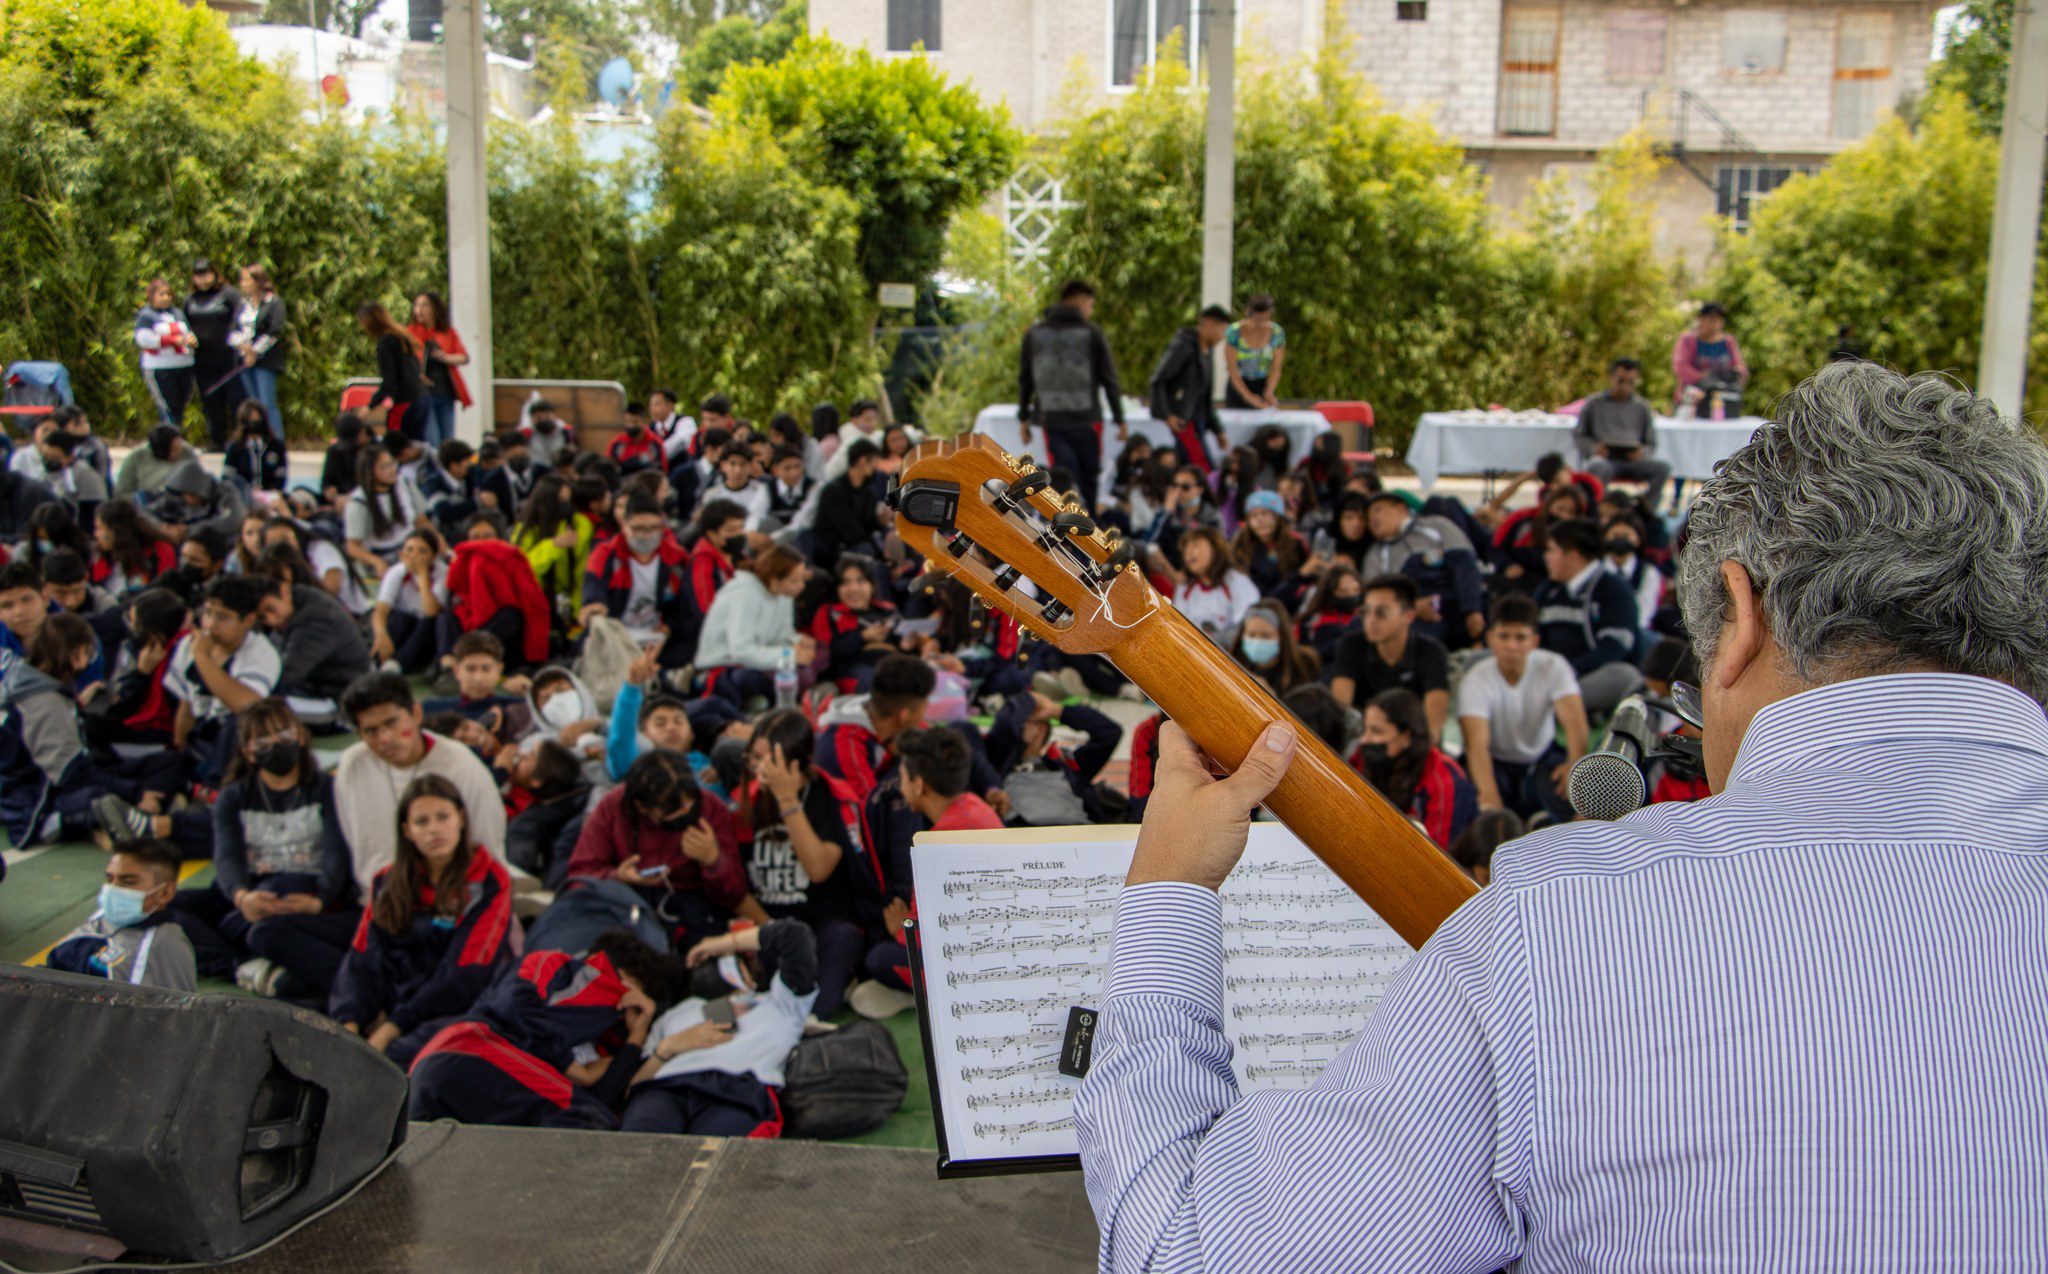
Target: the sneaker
pixel 119 819
pixel 814 1027
pixel 1070 678
pixel 258 977
pixel 391 665
pixel 1129 691
pixel 878 1003
pixel 444 685
pixel 1050 686
pixel 679 679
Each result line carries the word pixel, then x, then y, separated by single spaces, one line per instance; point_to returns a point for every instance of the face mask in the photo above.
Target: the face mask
pixel 644 545
pixel 278 759
pixel 1374 753
pixel 635 430
pixel 1261 650
pixel 678 822
pixel 53 465
pixel 562 711
pixel 734 545
pixel 518 464
pixel 545 426
pixel 1345 604
pixel 121 907
pixel 1621 548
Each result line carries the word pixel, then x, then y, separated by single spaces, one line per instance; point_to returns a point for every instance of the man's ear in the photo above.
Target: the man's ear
pixel 169 890
pixel 1742 631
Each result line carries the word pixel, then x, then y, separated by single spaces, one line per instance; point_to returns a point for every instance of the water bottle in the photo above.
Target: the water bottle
pixel 785 678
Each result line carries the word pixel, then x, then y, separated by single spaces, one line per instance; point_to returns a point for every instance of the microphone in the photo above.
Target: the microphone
pixel 1609 782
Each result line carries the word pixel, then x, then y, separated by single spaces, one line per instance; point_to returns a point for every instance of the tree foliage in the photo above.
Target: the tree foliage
pixel 739 40
pixel 907 147
pixel 1893 239
pixel 1974 62
pixel 344 17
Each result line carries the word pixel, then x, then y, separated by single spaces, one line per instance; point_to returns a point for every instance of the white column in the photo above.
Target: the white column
pixel 2016 217
pixel 469 229
pixel 1219 178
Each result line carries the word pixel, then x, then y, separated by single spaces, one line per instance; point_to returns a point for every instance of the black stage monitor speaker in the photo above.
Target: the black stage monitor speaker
pixel 192 1127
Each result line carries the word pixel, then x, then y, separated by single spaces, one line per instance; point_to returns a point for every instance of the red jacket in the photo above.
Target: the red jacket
pixel 709 568
pixel 615 832
pixel 449 343
pixel 161 557
pixel 489 575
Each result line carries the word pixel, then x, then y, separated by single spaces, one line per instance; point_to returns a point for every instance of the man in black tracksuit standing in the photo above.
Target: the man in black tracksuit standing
pixel 210 311
pixel 1062 374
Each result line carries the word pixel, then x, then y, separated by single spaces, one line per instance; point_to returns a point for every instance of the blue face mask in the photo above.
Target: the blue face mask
pixel 121 907
pixel 1261 650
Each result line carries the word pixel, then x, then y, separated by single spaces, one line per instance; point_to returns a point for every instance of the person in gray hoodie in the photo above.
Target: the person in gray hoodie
pixel 192 498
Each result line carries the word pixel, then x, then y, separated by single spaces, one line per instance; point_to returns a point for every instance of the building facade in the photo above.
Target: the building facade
pixel 1740 95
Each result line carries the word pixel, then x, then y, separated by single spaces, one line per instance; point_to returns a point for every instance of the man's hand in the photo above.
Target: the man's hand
pixel 1024 431
pixel 383 1037
pixel 1195 823
pixel 628 873
pixel 893 917
pixel 638 1011
pixel 700 844
pixel 1428 611
pixel 583 616
pixel 711 948
pixel 1176 423
pixel 643 669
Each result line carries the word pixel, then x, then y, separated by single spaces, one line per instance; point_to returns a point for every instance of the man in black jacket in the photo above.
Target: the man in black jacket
pixel 1182 397
pixel 1062 373
pixel 211 311
pixel 845 518
pixel 321 648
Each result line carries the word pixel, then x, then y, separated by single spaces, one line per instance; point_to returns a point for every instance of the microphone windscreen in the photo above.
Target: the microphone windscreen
pixel 1606 786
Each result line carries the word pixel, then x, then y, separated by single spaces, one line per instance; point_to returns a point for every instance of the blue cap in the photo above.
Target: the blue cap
pixel 1270 501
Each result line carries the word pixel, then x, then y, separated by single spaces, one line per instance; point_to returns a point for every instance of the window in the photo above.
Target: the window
pixel 1740 187
pixel 1137 29
pixel 1411 10
pixel 1863 72
pixel 913 24
pixel 1753 41
pixel 1528 71
pixel 1635 44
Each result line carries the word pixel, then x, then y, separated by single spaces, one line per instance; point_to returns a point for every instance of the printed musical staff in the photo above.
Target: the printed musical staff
pixel 1019 1097
pixel 1011 1071
pixel 1017 1132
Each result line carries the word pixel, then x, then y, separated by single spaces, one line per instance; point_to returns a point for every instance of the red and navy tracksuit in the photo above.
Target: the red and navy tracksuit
pixel 710 568
pixel 850 661
pixel 507 1062
pixel 1445 801
pixel 1144 764
pixel 1005 746
pixel 634 454
pixel 433 971
pixel 608 581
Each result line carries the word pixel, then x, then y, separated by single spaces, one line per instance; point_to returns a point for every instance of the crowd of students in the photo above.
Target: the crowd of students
pixel 691 699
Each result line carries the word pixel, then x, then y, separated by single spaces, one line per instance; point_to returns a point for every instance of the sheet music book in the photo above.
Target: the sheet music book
pixel 1013 932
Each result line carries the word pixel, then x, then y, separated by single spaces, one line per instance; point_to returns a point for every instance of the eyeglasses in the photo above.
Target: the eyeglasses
pixel 1685 697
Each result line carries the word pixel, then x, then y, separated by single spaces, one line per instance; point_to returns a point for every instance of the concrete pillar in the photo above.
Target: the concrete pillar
pixel 1219 179
pixel 2016 217
pixel 469 226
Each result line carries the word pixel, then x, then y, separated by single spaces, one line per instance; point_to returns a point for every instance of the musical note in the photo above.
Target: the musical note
pixel 1276 1070
pixel 979 883
pixel 1005 1043
pixel 1017 1132
pixel 1039 1005
pixel 1024 942
pixel 1019 1097
pixel 1310 981
pixel 1304 1039
pixel 1007 1072
pixel 1270 1008
pixel 1023 973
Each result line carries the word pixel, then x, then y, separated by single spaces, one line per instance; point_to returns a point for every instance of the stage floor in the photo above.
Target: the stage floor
pixel 466 1199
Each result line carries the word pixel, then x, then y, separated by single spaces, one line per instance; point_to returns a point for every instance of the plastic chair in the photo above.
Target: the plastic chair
pixel 1351 413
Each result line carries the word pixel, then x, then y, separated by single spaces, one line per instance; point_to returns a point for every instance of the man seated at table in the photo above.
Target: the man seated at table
pixel 1616 432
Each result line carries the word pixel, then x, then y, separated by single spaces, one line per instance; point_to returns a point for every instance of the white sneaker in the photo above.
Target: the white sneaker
pixel 258 977
pixel 812 1026
pixel 391 666
pixel 878 1003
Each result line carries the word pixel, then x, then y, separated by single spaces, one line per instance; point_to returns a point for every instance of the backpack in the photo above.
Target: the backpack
pixel 1044 797
pixel 587 910
pixel 842 1084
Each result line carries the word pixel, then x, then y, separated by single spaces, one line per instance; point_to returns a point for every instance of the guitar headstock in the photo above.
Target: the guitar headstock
pixel 992 521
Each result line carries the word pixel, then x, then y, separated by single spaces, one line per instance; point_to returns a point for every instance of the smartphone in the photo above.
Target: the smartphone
pixel 1324 545
pixel 655 871
pixel 721 1011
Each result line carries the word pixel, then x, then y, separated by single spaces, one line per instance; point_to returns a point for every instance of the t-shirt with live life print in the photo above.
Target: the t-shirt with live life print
pixel 778 880
pixel 1423 667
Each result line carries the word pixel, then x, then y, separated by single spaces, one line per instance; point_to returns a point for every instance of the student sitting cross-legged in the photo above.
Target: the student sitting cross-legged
pixel 280 913
pixel 128 938
pixel 436 931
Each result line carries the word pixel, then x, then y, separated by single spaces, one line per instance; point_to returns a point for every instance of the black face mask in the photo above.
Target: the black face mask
pixel 545 426
pixel 518 464
pixel 734 545
pixel 677 822
pixel 1374 754
pixel 1345 604
pixel 278 759
pixel 1621 548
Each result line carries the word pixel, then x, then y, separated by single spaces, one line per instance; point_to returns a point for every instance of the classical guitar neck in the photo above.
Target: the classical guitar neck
pixel 1371 846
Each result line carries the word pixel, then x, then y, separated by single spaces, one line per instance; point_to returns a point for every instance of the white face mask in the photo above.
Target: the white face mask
pixel 562 711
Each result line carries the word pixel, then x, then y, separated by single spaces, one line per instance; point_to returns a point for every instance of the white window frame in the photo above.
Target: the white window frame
pixel 1151 40
pixel 1738 202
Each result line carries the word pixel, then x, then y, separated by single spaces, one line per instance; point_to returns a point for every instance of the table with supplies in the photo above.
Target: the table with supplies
pixel 1500 442
pixel 1000 423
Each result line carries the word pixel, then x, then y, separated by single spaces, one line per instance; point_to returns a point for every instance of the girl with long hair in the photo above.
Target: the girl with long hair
pixel 1332 609
pixel 1210 589
pixel 166 343
pixel 556 539
pixel 443 356
pixel 383 511
pixel 851 628
pixel 404 623
pixel 1269 550
pixel 1415 776
pixel 52 527
pixel 1264 646
pixel 133 551
pixel 259 336
pixel 401 382
pixel 751 623
pixel 436 931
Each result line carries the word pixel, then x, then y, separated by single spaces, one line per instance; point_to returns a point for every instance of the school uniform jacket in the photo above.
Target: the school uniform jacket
pixel 608 580
pixel 439 966
pixel 1005 744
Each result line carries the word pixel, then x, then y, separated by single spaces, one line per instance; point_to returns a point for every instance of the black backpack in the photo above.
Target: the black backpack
pixel 843 1083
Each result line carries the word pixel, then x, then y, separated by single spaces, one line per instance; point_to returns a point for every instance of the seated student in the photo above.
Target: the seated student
pixel 338 468
pixel 513 1061
pixel 556 539
pixel 132 549
pixel 1416 777
pixel 803 849
pixel 1269 549
pixel 749 626
pixel 1387 653
pixel 254 454
pixel 437 928
pixel 636 448
pixel 552 441
pixel 721 543
pixel 410 599
pixel 68 586
pixel 852 629
pixel 218 669
pixel 25 602
pixel 547 792
pixel 707 1079
pixel 844 520
pixel 503 486
pixel 446 487
pixel 127 939
pixel 391 753
pixel 640 723
pixel 281 911
pixel 1551 475
pixel 1048 785
pixel 326 564
pixel 483 693
pixel 1435 554
pixel 1509 708
pixel 936 768
pixel 1473 852
pixel 206 552
pixel 1264 646
pixel 660 833
pixel 141 715
pixel 320 647
pixel 638 577
pixel 792 496
pixel 1331 612
pixel 1587 614
pixel 856 731
pixel 1212 592
pixel 491 588
pixel 564 710
pixel 383 510
pixel 737 483
pixel 1622 539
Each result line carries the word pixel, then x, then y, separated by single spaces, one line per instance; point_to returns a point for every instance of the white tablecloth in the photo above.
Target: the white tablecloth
pixel 1000 423
pixel 1472 442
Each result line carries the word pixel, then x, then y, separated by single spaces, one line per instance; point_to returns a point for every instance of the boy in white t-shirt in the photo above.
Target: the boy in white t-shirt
pixel 1509 708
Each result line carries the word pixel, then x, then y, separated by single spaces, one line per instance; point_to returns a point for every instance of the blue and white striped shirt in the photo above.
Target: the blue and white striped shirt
pixel 1800 1026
